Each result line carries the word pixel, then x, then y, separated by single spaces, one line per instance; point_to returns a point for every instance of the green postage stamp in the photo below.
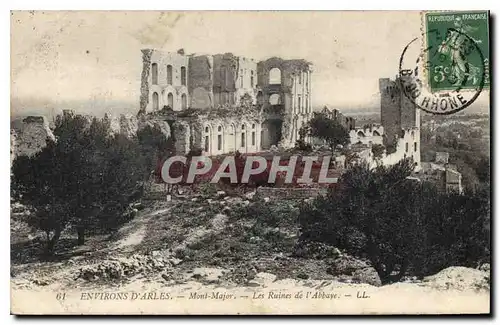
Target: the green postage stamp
pixel 457 50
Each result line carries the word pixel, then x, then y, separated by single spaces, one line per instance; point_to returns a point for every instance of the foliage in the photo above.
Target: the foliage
pixel 85 180
pixel 327 129
pixel 378 150
pixel 155 146
pixel 301 145
pixel 397 223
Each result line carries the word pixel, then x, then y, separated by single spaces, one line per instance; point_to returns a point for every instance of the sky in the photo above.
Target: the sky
pixel 90 61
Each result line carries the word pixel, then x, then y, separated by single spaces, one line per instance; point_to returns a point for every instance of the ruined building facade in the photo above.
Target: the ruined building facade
pixel 240 104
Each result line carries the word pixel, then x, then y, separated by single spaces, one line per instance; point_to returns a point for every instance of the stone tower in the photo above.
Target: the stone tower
pixel 400 118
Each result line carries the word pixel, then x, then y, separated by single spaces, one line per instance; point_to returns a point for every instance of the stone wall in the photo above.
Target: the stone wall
pixel 368 136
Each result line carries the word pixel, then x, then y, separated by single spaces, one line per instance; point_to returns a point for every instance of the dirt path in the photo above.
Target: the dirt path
pixel 136 230
pixel 218 224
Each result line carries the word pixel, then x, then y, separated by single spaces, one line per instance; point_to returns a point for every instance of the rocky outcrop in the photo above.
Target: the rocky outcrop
pixel 30 135
pixel 123 267
pixel 460 278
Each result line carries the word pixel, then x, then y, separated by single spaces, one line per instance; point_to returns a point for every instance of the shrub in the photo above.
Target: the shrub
pixel 397 223
pixel 86 179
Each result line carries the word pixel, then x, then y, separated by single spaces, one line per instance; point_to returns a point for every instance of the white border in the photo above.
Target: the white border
pixel 197 5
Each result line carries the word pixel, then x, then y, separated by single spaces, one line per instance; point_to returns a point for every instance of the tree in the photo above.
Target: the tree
pixel 327 129
pixel 301 144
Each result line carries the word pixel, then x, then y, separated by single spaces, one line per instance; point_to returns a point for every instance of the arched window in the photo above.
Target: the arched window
pixel 406 147
pixel 274 99
pixel 376 134
pixel 154 73
pixel 243 135
pixel 361 134
pixel 275 76
pixel 253 134
pixel 156 102
pixel 169 74
pixel 170 100
pixel 183 76
pixel 184 101
pixel 415 147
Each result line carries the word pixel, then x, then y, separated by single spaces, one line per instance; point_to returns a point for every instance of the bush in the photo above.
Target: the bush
pixel 399 224
pixel 85 180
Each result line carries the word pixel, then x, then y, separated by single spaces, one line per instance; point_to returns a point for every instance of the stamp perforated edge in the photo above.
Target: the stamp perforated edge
pixel 423 53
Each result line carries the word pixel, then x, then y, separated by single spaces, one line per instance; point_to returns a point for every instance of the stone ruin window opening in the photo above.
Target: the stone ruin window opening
pixel 243 135
pixel 207 139
pixel 169 74
pixel 260 98
pixel 154 73
pixel 299 102
pixel 406 146
pixel 184 101
pixel 156 102
pixel 183 76
pixel 170 100
pixel 415 147
pixel 275 76
pixel 241 78
pixel 307 104
pixel 275 99
pixel 253 135
pixel 251 79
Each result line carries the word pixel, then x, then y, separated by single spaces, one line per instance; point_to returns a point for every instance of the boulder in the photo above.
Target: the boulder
pixel 459 278
pixel 250 195
pixel 264 277
pixel 367 275
pixel 208 274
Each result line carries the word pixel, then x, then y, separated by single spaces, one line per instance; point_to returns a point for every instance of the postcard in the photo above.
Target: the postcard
pixel 250 162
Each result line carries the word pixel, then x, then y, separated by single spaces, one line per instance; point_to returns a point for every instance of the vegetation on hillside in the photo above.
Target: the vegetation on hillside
pixel 399 224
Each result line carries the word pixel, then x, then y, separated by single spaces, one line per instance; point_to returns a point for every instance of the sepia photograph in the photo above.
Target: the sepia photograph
pixel 250 162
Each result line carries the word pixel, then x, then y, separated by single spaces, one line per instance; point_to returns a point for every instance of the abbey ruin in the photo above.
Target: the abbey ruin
pixel 224 103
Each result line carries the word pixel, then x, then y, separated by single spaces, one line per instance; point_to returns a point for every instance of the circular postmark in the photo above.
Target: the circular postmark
pixel 422 73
